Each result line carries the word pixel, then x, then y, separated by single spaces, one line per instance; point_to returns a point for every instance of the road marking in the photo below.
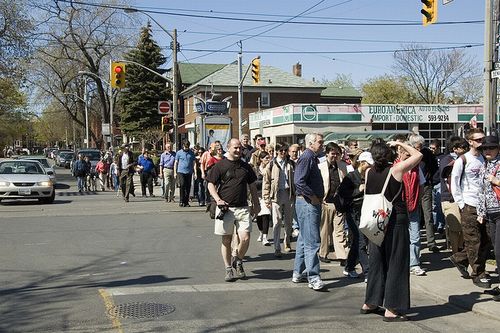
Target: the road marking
pixel 109 305
pixel 201 288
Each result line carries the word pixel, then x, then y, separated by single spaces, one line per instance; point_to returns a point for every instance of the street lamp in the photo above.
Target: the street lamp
pixel 175 88
pixel 84 100
pixel 110 102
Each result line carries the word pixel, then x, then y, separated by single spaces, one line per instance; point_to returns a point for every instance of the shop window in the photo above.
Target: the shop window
pixel 265 99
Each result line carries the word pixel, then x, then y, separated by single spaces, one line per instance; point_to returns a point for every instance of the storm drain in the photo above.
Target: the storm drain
pixel 141 310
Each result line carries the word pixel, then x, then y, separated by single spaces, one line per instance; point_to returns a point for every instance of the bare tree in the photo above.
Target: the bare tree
pixel 433 73
pixel 78 38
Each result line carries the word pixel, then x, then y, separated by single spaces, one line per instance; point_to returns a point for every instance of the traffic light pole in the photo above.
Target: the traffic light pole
pixel 489 108
pixel 240 93
pixel 175 90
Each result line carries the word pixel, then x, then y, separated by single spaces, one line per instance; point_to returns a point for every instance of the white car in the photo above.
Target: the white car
pixel 46 165
pixel 25 179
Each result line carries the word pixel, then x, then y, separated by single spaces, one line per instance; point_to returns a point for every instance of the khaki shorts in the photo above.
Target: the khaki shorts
pixel 235 216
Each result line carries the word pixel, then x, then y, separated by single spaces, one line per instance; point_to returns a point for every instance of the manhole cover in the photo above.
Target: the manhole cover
pixel 141 310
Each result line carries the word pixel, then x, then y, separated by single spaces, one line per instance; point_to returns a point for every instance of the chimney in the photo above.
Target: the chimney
pixel 297 69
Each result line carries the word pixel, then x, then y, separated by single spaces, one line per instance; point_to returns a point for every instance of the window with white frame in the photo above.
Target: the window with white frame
pixel 265 99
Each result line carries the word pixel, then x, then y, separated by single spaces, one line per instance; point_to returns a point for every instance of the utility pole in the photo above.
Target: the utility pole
pixel 489 93
pixel 240 91
pixel 85 98
pixel 175 90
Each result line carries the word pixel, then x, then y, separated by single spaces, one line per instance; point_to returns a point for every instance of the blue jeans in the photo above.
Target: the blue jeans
pixel 414 228
pixel 81 183
pixel 437 212
pixel 306 255
pixel 199 185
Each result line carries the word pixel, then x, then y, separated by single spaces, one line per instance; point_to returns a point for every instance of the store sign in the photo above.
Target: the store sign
pixel 410 113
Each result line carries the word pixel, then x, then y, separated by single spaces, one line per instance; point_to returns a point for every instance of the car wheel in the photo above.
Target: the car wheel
pixel 50 199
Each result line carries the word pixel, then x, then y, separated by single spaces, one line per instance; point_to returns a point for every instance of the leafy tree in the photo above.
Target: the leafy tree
pixel 432 74
pixel 388 89
pixel 52 125
pixel 140 100
pixel 342 80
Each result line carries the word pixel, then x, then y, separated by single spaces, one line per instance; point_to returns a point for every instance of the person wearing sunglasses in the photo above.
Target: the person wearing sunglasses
pixel 465 189
pixel 278 192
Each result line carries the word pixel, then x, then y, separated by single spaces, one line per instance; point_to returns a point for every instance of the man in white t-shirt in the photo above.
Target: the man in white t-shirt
pixel 465 188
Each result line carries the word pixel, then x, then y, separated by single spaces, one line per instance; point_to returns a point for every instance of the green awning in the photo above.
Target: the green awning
pixel 362 136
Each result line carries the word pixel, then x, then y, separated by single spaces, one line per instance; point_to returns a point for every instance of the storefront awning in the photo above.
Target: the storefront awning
pixel 362 136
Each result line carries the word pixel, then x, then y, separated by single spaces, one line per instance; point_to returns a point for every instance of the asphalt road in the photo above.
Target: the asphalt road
pixel 92 263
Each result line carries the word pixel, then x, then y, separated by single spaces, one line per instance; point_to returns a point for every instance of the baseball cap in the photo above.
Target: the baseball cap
pixel 367 157
pixel 490 141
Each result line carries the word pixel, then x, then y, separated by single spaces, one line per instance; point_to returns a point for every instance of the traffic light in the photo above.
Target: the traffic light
pixel 117 75
pixel 165 124
pixel 256 70
pixel 429 11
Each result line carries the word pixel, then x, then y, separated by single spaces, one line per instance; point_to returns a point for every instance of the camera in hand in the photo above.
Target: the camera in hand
pixel 223 209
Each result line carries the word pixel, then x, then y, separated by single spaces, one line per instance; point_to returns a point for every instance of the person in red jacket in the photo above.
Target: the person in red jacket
pixel 102 169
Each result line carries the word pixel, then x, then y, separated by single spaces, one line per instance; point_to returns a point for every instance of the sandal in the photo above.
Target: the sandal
pixel 376 309
pixel 398 318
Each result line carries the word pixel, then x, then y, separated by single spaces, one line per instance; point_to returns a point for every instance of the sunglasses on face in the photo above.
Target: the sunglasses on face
pixel 478 140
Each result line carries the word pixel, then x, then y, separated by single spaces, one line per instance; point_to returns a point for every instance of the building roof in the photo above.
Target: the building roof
pixel 270 77
pixel 191 73
pixel 340 92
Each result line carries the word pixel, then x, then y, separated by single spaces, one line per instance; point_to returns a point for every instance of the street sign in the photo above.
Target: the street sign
pixel 495 73
pixel 212 107
pixel 164 108
pixel 497 65
pixel 105 129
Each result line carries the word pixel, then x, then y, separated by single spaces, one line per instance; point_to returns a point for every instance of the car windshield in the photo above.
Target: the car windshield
pixel 20 167
pixel 66 155
pixel 43 161
pixel 94 155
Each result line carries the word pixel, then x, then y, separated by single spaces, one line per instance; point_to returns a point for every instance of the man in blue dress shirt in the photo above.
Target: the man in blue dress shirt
pixel 309 194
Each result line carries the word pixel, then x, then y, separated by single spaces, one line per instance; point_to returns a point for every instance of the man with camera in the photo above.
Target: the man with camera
pixel 227 182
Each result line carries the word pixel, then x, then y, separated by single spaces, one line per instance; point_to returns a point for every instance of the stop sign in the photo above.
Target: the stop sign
pixel 164 107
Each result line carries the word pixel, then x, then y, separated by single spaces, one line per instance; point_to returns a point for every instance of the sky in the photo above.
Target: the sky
pixel 198 35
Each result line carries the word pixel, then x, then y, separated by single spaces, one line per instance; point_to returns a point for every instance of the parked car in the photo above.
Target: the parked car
pixel 46 165
pixel 64 159
pixel 25 179
pixel 93 154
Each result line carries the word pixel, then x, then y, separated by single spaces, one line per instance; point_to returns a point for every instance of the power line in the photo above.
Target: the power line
pixel 339 52
pixel 230 18
pixel 319 38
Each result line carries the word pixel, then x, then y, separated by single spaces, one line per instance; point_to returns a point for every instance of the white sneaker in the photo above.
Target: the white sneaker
pixel 351 274
pixel 295 233
pixel 316 284
pixel 416 270
pixel 259 239
pixel 265 242
pixel 298 278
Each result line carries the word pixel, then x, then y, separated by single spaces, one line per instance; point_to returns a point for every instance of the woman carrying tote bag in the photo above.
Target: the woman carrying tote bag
pixel 389 279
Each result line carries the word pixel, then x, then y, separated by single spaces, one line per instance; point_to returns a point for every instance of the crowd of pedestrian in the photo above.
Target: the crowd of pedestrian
pixel 315 193
pixel 321 194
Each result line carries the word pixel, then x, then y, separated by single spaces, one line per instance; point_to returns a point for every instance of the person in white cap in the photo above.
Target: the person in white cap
pixel 352 190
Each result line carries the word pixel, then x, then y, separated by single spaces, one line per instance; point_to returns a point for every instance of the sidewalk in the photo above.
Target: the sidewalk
pixel 443 281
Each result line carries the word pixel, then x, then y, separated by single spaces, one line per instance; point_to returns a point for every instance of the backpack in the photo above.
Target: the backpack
pixel 446 173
